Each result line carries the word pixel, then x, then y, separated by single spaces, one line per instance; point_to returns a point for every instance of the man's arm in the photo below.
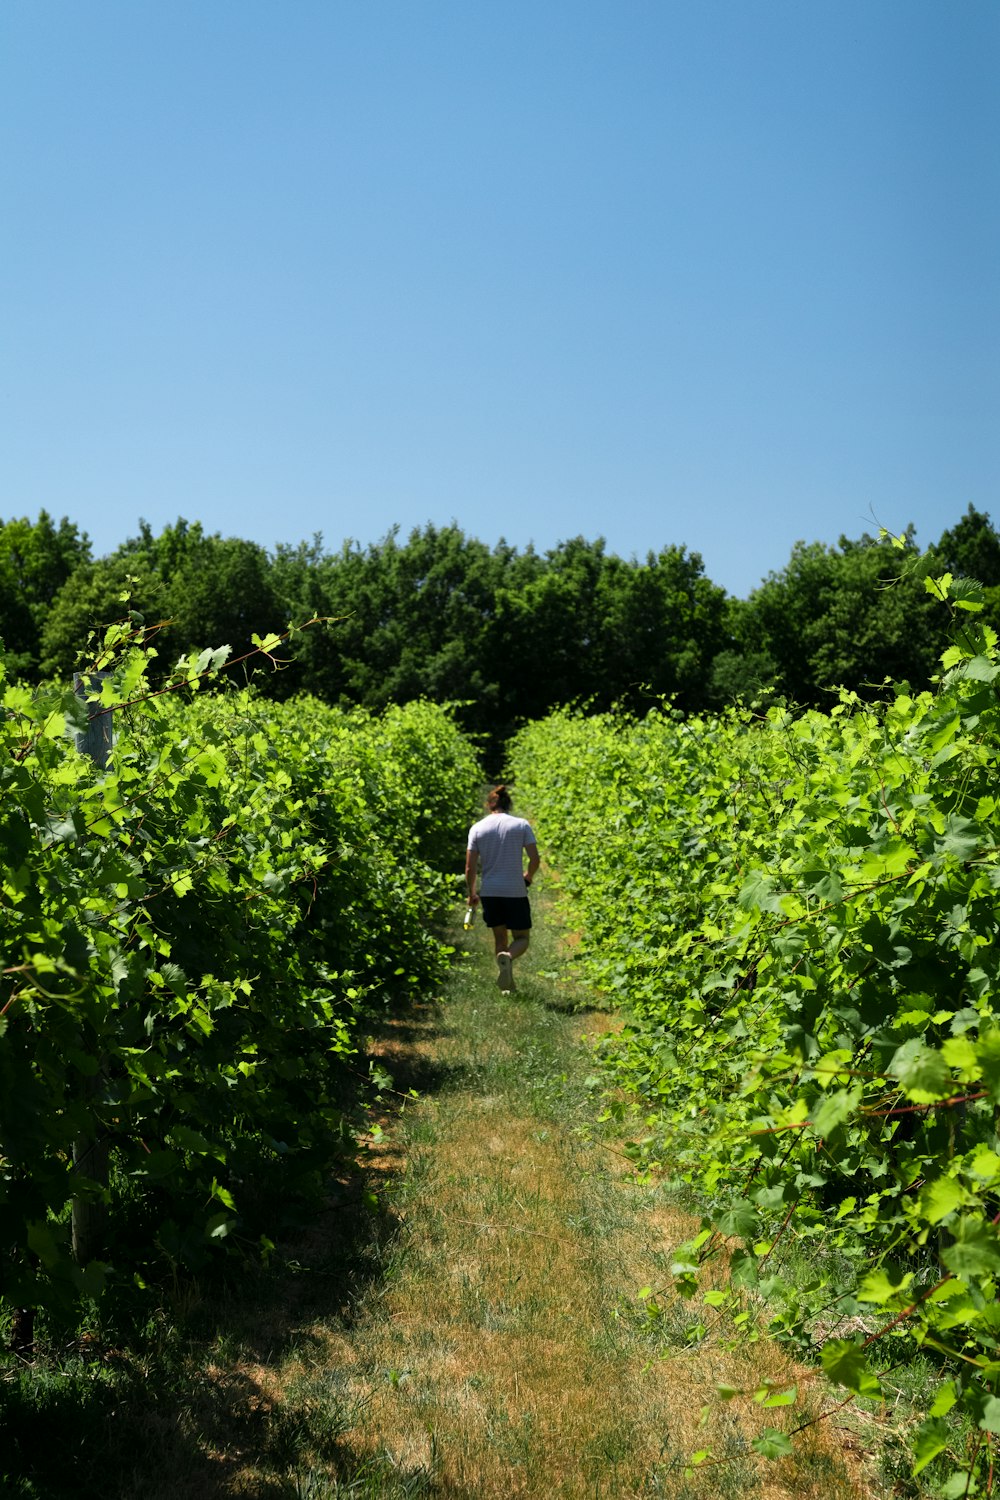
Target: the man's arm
pixel 533 862
pixel 471 864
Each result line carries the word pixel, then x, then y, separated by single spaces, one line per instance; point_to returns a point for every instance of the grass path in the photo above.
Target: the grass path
pixel 499 1346
pixel 464 1319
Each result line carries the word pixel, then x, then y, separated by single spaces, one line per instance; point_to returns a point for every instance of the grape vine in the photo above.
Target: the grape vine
pixel 190 939
pixel 800 914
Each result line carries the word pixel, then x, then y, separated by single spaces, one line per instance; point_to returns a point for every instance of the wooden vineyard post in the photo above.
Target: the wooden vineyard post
pixel 90 1151
pixel 98 737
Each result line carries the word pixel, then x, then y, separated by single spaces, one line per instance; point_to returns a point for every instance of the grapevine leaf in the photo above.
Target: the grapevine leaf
pixel 176 979
pixel 760 893
pixel 42 1242
pixel 985 1163
pixel 772 1444
pixel 922 1071
pixel 890 856
pixel 940 1198
pixel 944 1400
pixel 834 1108
pixel 975 1250
pixel 91 1279
pixel 268 642
pixel 740 1220
pixel 826 884
pixel 961 837
pixel 780 1398
pixel 219 1226
pixel 958 1486
pixel 932 1438
pixel 884 1285
pixel 988 1057
pixel 960 1053
pixel 844 1362
pixel 981 669
pixel 187 1139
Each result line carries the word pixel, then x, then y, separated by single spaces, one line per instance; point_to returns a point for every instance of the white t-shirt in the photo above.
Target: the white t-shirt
pixel 498 839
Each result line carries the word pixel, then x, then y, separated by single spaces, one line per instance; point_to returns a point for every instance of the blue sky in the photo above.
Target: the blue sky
pixel 722 275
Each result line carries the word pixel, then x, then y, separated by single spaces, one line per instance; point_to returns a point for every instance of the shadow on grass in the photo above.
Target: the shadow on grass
pixel 195 1408
pixel 567 1005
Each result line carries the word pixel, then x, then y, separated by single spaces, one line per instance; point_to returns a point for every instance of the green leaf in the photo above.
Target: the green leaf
pixel 760 893
pixel 940 1198
pixel 740 1220
pixel 772 1444
pixel 826 884
pixel 268 643
pixel 960 1053
pixel 42 1242
pixel 884 1285
pixel 945 1399
pixel 961 838
pixel 959 1485
pixel 836 1106
pixel 975 1250
pixel 779 1398
pixel 891 856
pixel 844 1361
pixel 187 1139
pixel 224 1195
pixel 980 668
pixel 219 1226
pixel 91 1279
pixel 921 1070
pixel 933 1437
pixel 176 979
pixel 988 1058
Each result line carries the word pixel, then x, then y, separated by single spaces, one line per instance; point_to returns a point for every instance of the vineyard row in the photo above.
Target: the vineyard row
pixel 800 914
pixel 190 938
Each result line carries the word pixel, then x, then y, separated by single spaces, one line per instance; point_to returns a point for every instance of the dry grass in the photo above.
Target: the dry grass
pixel 507 1352
pixel 482 1334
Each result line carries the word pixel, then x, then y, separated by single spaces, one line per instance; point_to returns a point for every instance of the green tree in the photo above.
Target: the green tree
pixel 194 590
pixel 222 593
pixel 850 616
pixel 408 620
pixel 96 595
pixel 659 625
pixel 547 635
pixel 971 548
pixel 36 559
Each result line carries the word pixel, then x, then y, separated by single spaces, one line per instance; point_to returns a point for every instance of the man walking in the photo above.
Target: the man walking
pixel 495 844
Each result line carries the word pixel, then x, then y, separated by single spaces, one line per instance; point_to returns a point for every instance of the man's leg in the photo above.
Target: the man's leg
pixel 505 972
pixel 521 940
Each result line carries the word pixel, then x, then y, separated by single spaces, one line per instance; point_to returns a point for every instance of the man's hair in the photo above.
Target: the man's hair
pixel 499 798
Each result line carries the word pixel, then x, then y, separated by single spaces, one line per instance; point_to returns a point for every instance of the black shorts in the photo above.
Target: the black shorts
pixel 507 911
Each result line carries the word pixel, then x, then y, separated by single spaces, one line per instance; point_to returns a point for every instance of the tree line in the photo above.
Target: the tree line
pixel 507 634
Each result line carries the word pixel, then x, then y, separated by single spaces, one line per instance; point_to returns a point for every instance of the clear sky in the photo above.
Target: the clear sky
pixel 719 273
